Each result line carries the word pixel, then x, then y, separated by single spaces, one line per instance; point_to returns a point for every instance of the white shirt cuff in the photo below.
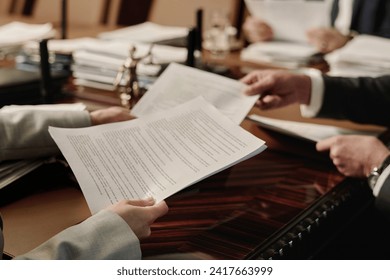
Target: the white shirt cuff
pixel 381 180
pixel 317 94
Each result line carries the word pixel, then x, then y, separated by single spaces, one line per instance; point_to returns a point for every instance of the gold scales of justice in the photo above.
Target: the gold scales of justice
pixel 126 82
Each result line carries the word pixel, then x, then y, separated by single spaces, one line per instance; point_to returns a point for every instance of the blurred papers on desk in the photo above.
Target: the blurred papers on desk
pixel 365 55
pixel 146 32
pixel 290 20
pixel 179 84
pixel 13 35
pixel 100 62
pixel 308 131
pixel 154 156
pixel 279 53
pixel 95 62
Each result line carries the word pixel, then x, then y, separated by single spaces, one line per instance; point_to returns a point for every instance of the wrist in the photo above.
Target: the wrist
pixel 304 89
pixel 376 171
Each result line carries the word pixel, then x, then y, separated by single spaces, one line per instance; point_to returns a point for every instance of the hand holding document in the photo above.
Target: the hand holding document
pixel 157 155
pixel 179 84
pixel 291 19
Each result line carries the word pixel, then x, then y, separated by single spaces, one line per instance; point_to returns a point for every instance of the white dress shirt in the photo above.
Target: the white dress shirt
pixel 344 16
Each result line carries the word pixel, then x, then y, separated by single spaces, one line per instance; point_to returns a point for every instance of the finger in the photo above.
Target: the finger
pixel 269 102
pixel 325 145
pixel 158 210
pixel 261 86
pixel 249 78
pixel 150 201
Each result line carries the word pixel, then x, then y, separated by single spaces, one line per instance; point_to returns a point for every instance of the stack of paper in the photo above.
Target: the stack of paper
pixel 100 61
pixel 279 53
pixel 13 35
pixel 365 55
pixel 96 62
pixel 146 32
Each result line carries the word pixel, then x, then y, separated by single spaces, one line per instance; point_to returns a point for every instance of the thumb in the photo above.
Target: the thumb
pixel 142 202
pixel 158 210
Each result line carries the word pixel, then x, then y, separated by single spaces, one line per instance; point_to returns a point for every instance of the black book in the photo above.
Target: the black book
pixel 25 87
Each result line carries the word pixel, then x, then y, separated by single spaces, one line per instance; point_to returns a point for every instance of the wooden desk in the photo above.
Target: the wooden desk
pixel 275 205
pixel 284 203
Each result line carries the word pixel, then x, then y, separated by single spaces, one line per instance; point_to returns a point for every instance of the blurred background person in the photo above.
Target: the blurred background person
pixel 348 17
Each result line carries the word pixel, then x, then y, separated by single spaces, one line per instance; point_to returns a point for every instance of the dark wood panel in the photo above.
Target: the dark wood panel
pixel 133 12
pixel 257 207
pixel 230 214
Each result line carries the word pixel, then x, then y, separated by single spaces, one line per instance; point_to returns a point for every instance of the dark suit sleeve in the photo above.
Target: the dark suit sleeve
pixel 371 17
pixel 382 201
pixel 362 100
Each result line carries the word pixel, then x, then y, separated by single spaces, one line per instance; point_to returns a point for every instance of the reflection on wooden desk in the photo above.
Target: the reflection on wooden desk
pixel 240 213
pixel 283 203
pixel 251 210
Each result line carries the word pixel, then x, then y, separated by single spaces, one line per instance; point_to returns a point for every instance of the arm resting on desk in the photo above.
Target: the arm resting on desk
pixel 88 240
pixel 25 133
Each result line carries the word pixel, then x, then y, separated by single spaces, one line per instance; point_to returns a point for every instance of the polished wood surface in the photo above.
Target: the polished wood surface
pixel 230 215
pixel 278 204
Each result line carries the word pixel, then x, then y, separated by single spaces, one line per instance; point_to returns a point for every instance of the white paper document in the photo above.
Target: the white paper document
pixel 147 32
pixel 308 131
pixel 290 20
pixel 153 156
pixel 17 33
pixel 282 53
pixel 179 83
pixel 365 55
pixel 44 107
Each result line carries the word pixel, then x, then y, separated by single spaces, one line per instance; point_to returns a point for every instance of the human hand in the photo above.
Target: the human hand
pixel 109 115
pixel 256 30
pixel 326 39
pixel 140 214
pixel 277 88
pixel 354 155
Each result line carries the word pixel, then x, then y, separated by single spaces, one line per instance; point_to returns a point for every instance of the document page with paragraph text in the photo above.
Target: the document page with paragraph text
pixel 157 155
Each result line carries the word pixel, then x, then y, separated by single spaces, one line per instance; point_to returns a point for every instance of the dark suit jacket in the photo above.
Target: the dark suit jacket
pixel 362 100
pixel 382 201
pixel 368 17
